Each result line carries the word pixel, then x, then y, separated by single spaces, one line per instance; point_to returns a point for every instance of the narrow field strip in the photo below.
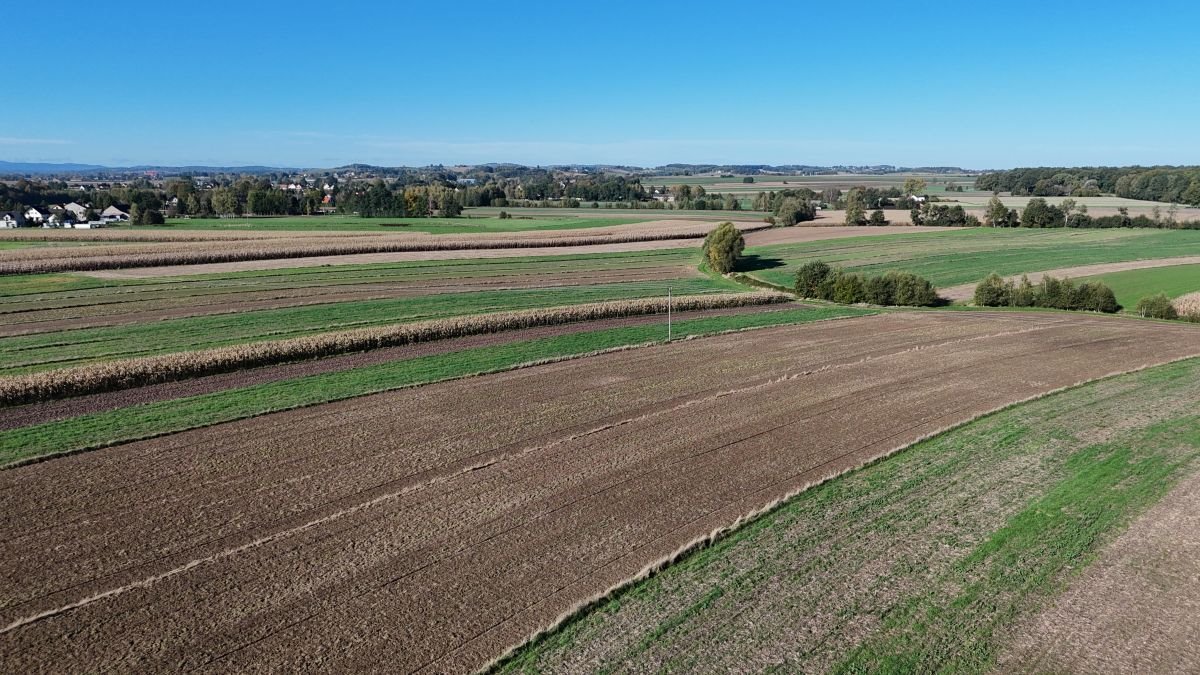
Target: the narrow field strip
pixel 960 257
pixel 967 291
pixel 32 260
pixel 120 303
pixel 59 349
pixel 118 417
pixel 128 373
pixel 501 513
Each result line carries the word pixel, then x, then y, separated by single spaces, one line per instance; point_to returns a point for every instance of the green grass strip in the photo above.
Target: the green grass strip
pixel 155 419
pixel 1106 485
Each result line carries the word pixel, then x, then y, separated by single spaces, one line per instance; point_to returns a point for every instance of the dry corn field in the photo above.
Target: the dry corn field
pixel 138 372
pixel 434 529
pixel 1188 306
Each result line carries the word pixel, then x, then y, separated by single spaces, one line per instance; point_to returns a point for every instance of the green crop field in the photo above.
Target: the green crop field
pixel 469 223
pixel 921 562
pixel 966 256
pixel 1132 285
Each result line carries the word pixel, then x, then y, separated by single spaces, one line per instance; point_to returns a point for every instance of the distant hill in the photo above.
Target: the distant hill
pixel 42 167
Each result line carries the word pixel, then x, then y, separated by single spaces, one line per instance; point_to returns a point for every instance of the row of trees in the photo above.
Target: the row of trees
pixel 1038 213
pixel 820 281
pixel 995 291
pixel 1179 185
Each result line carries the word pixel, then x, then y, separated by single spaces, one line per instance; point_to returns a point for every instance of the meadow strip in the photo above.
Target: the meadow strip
pixel 137 372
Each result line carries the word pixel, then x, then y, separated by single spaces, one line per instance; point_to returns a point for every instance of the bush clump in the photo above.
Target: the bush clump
pixel 723 246
pixel 818 280
pixel 1050 292
pixel 1157 306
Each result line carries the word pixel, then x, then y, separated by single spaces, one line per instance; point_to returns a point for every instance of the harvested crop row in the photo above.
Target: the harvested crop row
pixel 433 529
pixel 29 261
pixel 139 372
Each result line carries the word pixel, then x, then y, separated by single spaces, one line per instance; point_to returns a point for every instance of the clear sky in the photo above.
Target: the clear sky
pixel 318 84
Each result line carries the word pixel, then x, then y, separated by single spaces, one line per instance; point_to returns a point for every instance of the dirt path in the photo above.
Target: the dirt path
pixel 40 413
pixel 431 529
pixel 1134 610
pixel 967 291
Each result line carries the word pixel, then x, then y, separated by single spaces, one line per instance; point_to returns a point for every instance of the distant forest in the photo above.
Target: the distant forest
pixel 1179 185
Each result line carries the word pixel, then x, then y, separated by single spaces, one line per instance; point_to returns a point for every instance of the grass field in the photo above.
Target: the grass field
pixel 922 562
pixel 966 256
pixel 1132 285
pixel 143 421
pixel 469 223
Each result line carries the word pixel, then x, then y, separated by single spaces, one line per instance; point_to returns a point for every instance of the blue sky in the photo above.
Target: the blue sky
pixel 321 84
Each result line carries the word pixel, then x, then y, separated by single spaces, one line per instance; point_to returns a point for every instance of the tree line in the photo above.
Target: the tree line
pixel 1179 185
pixel 1039 213
pixel 994 291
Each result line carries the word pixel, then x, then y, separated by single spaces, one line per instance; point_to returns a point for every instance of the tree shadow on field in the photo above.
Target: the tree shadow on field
pixel 754 263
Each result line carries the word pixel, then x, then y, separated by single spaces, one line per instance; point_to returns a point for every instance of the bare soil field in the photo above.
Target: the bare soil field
pixel 434 528
pixel 967 291
pixel 1134 610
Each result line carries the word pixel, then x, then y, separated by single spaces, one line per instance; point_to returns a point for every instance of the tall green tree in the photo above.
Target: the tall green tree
pixel 914 186
pixel 856 209
pixel 722 247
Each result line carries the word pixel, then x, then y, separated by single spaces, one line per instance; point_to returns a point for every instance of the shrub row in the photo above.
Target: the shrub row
pixel 819 280
pixel 994 291
pixel 137 372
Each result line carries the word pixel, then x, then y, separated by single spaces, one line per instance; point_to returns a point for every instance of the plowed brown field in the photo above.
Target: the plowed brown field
pixel 431 529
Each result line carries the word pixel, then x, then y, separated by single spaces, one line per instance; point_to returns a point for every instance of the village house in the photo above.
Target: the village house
pixel 12 219
pixel 113 214
pixel 79 210
pixel 34 215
